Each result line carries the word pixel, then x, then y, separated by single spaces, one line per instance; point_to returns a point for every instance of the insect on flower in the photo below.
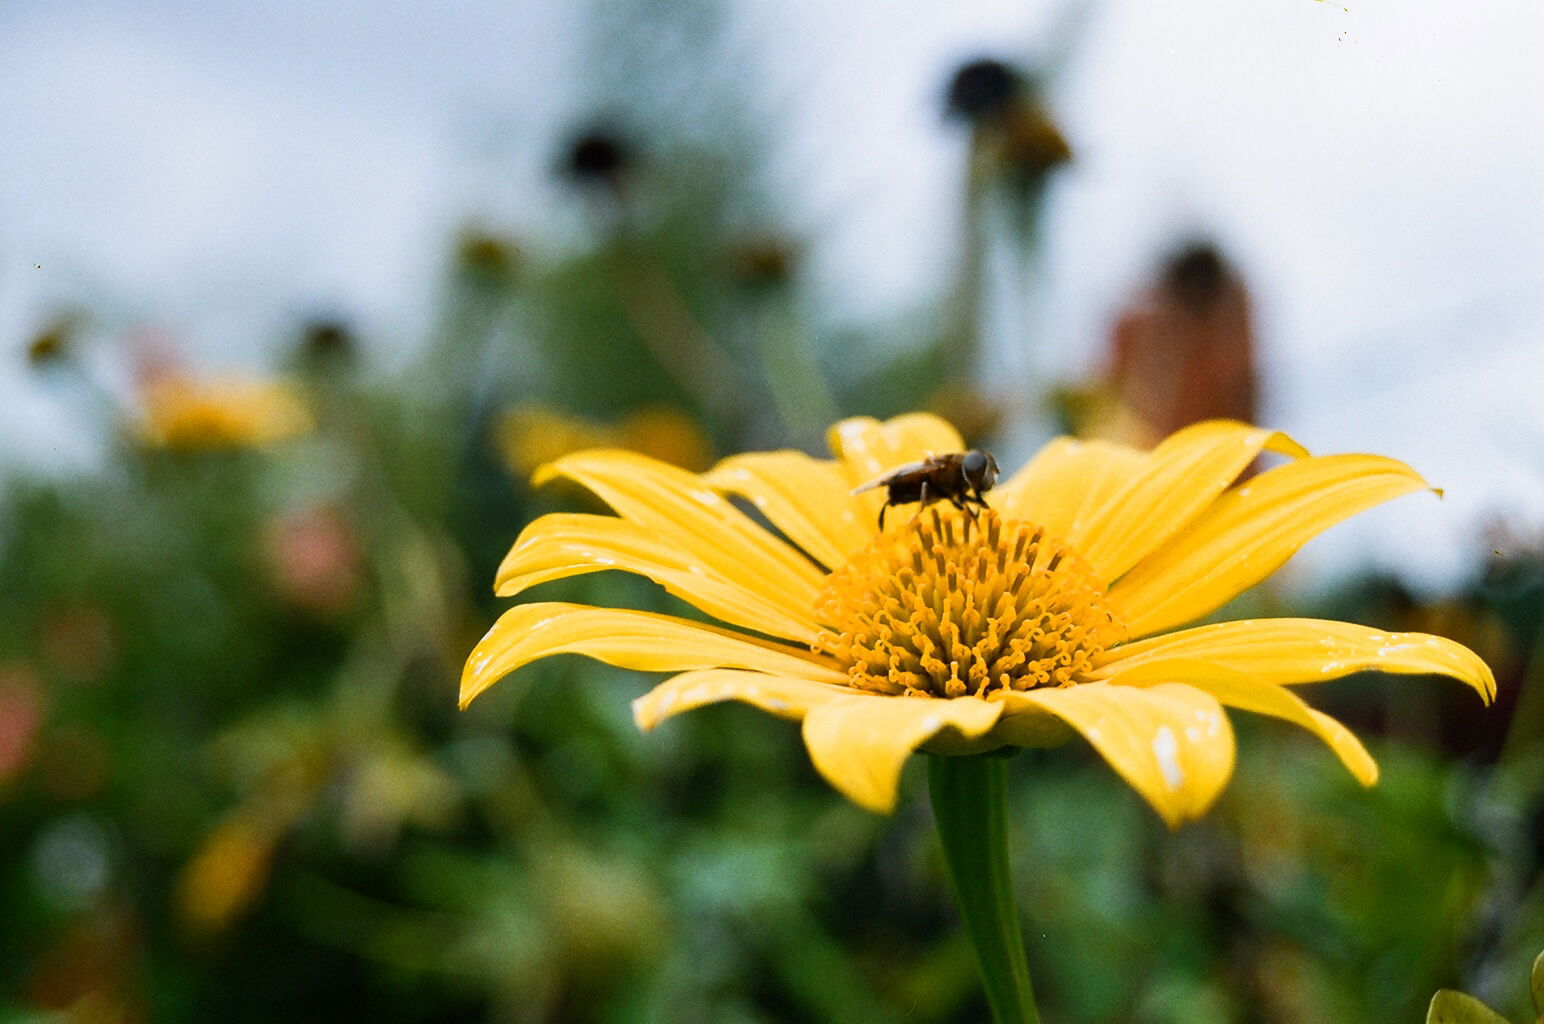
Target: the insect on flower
pixel 1059 610
pixel 961 478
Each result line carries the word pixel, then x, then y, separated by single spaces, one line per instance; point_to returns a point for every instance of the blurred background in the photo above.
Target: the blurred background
pixel 294 297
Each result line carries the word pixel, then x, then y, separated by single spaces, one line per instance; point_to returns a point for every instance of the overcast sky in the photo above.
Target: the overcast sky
pixel 1377 171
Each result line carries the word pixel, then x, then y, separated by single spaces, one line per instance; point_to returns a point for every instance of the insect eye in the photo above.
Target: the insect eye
pixel 974 463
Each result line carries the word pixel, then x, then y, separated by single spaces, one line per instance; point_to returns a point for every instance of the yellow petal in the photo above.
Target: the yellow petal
pixel 1307 651
pixel 868 448
pixel 1171 743
pixel 1065 484
pixel 629 639
pixel 1249 532
pixel 563 544
pixel 1241 690
pixel 785 696
pixel 1176 482
pixel 808 499
pixel 683 511
pixel 860 742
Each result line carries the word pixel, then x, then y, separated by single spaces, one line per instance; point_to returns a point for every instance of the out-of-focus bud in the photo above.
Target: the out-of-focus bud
pixel 1196 276
pixel 47 347
pixel 326 344
pixel 982 89
pixel 597 156
pixel 1011 129
pixel 760 263
pixel 486 254
pixel 1027 142
pixel 52 344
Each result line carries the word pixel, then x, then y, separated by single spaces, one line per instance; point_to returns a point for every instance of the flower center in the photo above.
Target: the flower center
pixel 949 606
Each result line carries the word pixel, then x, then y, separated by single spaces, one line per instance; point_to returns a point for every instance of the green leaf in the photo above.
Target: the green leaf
pixel 1449 1007
pixel 1537 982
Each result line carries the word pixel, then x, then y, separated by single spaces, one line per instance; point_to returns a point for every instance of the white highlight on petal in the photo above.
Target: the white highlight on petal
pixel 1166 749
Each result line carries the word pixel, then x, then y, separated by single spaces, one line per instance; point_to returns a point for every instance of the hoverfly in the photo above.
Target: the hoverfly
pixel 960 478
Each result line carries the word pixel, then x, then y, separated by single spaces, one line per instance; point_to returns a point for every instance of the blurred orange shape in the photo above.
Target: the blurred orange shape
pixel 188 413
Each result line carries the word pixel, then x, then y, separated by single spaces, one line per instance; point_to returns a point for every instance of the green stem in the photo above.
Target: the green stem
pixel 968 804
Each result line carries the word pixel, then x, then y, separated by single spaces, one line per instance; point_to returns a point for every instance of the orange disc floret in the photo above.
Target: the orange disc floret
pixel 955 604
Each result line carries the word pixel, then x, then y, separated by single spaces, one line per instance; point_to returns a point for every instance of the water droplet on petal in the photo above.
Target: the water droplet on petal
pixel 1166 750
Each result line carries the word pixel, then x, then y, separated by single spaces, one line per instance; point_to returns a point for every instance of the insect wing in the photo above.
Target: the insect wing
pixel 894 474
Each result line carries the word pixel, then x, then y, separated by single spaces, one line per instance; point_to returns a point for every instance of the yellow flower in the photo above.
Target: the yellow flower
pixel 219 412
pixel 532 435
pixel 1054 611
pixel 227 874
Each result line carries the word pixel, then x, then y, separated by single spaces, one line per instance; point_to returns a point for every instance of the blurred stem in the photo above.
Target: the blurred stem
pixel 969 806
pixel 962 328
pixel 449 387
pixel 798 387
pixel 672 333
pixel 1525 735
pixel 449 374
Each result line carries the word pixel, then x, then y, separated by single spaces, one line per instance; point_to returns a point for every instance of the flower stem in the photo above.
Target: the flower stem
pixel 968 804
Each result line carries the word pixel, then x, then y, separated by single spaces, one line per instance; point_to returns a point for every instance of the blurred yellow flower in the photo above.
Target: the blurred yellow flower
pixel 226 874
pixel 1056 610
pixel 532 435
pixel 219 412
